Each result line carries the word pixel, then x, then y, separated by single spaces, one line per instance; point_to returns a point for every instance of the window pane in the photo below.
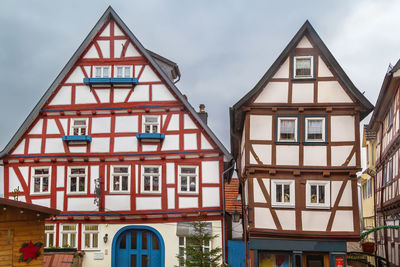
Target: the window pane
pixel 45 185
pixel 87 240
pixel 181 241
pixel 65 240
pixel 49 227
pixel 321 192
pixel 188 170
pixel 278 193
pixel 286 189
pixel 116 183
pixel 155 243
pixel 105 72
pixel 98 72
pixel 287 129
pixel 119 72
pixel 313 194
pixel 303 66
pixel 151 119
pixel 144 240
pixel 77 170
pixel 81 184
pixel 125 183
pixel 122 243
pixel 73 184
pixel 133 239
pixel 147 129
pixel 91 227
pixel 183 183
pixel 72 244
pixel 146 183
pixel 36 187
pixel 69 227
pixel 127 72
pixel 192 184
pixel 144 260
pixel 155 127
pixel 155 183
pixel 133 260
pixel 95 241
pixel 314 128
pixel 120 169
pixel 51 239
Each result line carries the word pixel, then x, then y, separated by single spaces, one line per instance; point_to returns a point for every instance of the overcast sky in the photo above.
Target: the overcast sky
pixel 222 47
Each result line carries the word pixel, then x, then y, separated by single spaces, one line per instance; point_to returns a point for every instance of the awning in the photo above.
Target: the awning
pixel 186 228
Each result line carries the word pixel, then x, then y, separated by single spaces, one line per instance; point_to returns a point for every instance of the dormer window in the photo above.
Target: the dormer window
pixel 303 67
pixel 79 127
pixel 151 124
pixel 122 72
pixel 102 72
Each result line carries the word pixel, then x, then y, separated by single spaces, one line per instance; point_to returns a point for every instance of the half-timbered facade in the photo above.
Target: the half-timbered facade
pixel 118 149
pixel 385 123
pixel 296 139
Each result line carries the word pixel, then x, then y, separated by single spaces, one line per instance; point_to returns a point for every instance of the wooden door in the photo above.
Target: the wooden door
pixel 6 247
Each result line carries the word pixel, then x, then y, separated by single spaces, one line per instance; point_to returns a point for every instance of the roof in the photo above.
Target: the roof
pixel 110 13
pixel 231 196
pixel 28 206
pixel 307 28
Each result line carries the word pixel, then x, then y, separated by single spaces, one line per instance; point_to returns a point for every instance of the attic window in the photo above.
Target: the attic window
pixel 303 67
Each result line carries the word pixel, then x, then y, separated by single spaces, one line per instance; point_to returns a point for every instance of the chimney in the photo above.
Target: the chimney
pixel 202 113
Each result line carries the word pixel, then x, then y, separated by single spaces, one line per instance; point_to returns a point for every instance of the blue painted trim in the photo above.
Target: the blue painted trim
pixel 276 130
pixel 135 107
pixel 297 245
pixel 137 227
pixel 72 138
pixel 313 78
pixel 304 130
pixel 153 136
pixel 91 81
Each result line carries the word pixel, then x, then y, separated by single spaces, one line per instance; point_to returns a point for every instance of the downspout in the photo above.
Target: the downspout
pixel 223 213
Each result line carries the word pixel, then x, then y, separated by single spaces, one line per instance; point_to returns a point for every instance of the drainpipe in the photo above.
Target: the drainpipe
pixel 223 214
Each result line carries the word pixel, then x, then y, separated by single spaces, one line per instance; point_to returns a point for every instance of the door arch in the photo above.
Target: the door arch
pixel 137 245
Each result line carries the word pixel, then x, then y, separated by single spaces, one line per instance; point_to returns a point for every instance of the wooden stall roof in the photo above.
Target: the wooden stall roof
pixel 28 206
pixel 58 260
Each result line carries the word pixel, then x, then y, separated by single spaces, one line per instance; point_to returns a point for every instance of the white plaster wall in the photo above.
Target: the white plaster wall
pixel 117 31
pixel 103 94
pixel 131 51
pixel 161 93
pixel 37 129
pixel 171 142
pixel 34 145
pixel 204 143
pixel 20 148
pixel 315 220
pixel 146 148
pixel 42 202
pixel 257 193
pixel 148 75
pixel 263 152
pixel 338 123
pixel 106 31
pixel 25 173
pixel 170 173
pixel 335 187
pixel 52 127
pixel 188 202
pixel 113 203
pixel 263 218
pixel 188 122
pixel 63 96
pixel 210 172
pixel 346 200
pixel 101 125
pixel 332 92
pixel 54 145
pixel 60 200
pixel 120 95
pixel 287 155
pixel 77 149
pixel 173 123
pixel 82 204
pixel 60 176
pixel 140 94
pixel 339 154
pixel 323 70
pixel 83 95
pixel 315 156
pixel 76 76
pixel 303 92
pixel 274 92
pixel 171 198
pixel 148 203
pixel 104 47
pixel 352 161
pixel 118 45
pixel 92 53
pixel 260 127
pixel 126 124
pixel 100 145
pixel 190 141
pixel 283 71
pixel 304 43
pixel 287 218
pixel 266 184
pixel 210 197
pixel 64 124
pixel 343 221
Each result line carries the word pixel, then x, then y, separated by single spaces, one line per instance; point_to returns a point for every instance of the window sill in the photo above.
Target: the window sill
pixel 187 193
pixel 150 193
pixel 308 206
pixel 95 81
pixel 40 193
pixel 315 143
pixel 285 206
pixel 287 143
pixel 304 79
pixel 119 192
pixel 76 193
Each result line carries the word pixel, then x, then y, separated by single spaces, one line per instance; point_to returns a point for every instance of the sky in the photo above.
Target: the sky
pixel 222 47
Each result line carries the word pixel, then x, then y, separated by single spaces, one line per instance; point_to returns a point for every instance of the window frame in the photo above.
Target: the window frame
pixel 69 192
pixel 90 232
pixel 69 232
pixel 71 128
pixel 324 129
pixel 48 232
pixel 327 193
pixel 292 202
pixel 123 71
pixel 102 71
pixel 112 191
pixel 312 68
pixel 33 176
pixel 188 192
pixel 144 123
pixel 151 181
pixel 390 118
pixel 278 129
pixel 209 247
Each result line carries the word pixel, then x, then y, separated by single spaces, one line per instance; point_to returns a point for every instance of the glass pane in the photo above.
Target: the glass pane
pixel 122 243
pixel 119 72
pixel 192 184
pixel 49 227
pixel 188 170
pixel 125 183
pixel 313 194
pixel 144 260
pixel 321 192
pixel 116 183
pixel 133 260
pixel 133 239
pixel 155 127
pixel 105 72
pixel 69 227
pixel 146 183
pixel 144 240
pixel 45 185
pixel 65 240
pixel 87 240
pixel 151 170
pixel 76 131
pixel 303 66
pixel 155 183
pixel 91 227
pixel 79 122
pixel 151 119
pixel 95 240
pixel 72 244
pixel 83 131
pixel 278 193
pixel 183 183
pixel 120 169
pixel 77 170
pixel 36 187
pixel 127 72
pixel 81 184
pixel 147 129
pixel 51 239
pixel 287 129
pixel 155 243
pixel 181 241
pixel 286 191
pixel 98 72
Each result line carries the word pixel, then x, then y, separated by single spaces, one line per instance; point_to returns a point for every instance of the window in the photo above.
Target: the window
pixel 122 71
pixel 390 172
pixel 68 235
pixel 315 129
pixel 90 236
pixel 188 179
pixel 102 72
pixel 303 67
pixel 120 179
pixel 318 194
pixel 40 180
pixel 151 124
pixel 282 193
pixel 390 118
pixel 151 179
pixel 287 129
pixel 384 174
pixel 185 242
pixel 364 190
pixel 77 180
pixel 50 235
pixel 79 126
pixel 369 187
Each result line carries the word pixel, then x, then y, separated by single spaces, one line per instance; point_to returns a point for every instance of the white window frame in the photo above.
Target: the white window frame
pixel 124 67
pixel 323 129
pixel 296 125
pixel 188 182
pixel 102 71
pixel 151 180
pixel 33 176
pixel 144 123
pixel 120 191
pixel 69 192
pixel 68 232
pixel 311 76
pixel 90 232
pixel 209 247
pixel 327 203
pixel 80 131
pixel 48 232
pixel 292 202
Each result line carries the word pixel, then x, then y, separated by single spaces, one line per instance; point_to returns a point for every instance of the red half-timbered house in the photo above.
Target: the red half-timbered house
pixel 119 150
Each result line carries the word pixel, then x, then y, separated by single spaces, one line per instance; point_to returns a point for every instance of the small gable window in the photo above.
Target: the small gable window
pixel 122 72
pixel 303 67
pixel 151 124
pixel 79 126
pixel 102 72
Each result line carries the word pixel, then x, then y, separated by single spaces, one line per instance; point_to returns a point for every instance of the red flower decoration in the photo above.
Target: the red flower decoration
pixel 29 251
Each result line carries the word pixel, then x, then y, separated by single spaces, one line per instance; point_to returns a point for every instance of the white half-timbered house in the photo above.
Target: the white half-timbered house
pixel 296 139
pixel 119 150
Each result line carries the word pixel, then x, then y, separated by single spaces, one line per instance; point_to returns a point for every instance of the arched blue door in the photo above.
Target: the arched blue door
pixel 138 247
